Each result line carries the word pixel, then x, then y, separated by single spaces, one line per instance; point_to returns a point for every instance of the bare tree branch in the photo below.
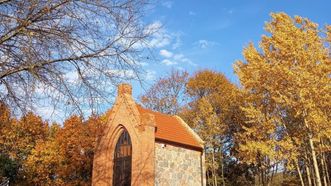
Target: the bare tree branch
pixel 67 51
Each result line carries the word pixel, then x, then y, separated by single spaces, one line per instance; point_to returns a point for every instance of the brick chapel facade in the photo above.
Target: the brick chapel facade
pixel 141 147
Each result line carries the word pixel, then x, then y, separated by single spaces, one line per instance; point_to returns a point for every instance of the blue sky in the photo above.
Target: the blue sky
pixel 211 34
pixel 198 35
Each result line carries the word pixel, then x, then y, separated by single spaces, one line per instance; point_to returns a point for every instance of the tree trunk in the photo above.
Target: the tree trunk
pixel 299 172
pixel 214 172
pixel 317 176
pixel 326 169
pixel 313 175
pixel 267 171
pixel 315 164
pixel 222 169
pixel 259 177
pixel 274 171
pixel 308 171
pixel 207 175
pixel 263 177
pixel 326 178
pixel 324 173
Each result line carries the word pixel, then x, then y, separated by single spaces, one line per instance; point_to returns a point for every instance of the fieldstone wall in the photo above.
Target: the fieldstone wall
pixel 175 166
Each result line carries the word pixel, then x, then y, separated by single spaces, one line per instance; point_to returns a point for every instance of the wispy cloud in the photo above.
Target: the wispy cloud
pixel 203 44
pixel 143 64
pixel 168 62
pixel 160 40
pixel 178 41
pixel 153 27
pixel 168 41
pixel 183 59
pixel 159 36
pixel 165 53
pixel 176 59
pixel 179 56
pixel 167 4
pixel 71 77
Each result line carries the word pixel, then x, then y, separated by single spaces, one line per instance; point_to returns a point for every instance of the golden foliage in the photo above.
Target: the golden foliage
pixel 287 86
pixel 280 116
pixel 50 155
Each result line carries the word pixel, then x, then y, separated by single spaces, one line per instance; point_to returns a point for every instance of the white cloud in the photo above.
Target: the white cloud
pixel 159 36
pixel 165 53
pixel 162 38
pixel 153 27
pixel 178 56
pixel 188 61
pixel 203 44
pixel 167 4
pixel 178 41
pixel 143 64
pixel 177 59
pixel 168 62
pixel 71 77
pixel 159 40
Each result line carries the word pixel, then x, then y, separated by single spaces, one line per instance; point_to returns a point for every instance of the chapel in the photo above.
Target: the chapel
pixel 141 147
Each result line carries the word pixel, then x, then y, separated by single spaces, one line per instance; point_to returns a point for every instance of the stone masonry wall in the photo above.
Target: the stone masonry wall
pixel 175 166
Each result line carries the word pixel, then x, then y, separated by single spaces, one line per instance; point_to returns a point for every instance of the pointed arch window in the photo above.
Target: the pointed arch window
pixel 122 161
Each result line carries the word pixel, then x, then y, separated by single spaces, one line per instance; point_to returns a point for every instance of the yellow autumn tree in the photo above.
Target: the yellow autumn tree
pixel 66 157
pixel 8 165
pixel 214 114
pixel 5 128
pixel 73 145
pixel 44 163
pixel 287 85
pixel 18 138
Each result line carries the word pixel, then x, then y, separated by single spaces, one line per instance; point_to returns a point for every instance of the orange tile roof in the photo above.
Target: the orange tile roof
pixel 170 129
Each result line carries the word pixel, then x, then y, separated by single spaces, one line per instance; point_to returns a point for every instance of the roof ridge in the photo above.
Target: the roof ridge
pixel 172 128
pixel 190 130
pixel 156 112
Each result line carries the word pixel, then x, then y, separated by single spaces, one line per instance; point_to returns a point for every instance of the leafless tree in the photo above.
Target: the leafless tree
pixel 166 95
pixel 68 52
